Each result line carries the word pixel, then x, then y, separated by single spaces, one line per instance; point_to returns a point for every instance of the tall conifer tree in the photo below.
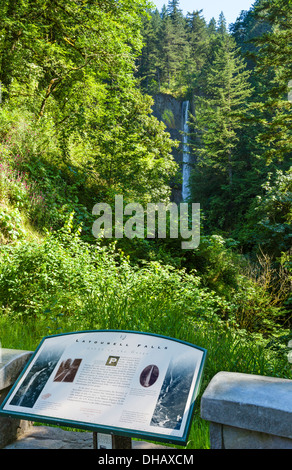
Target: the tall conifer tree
pixel 220 111
pixel 148 63
pixel 174 45
pixel 273 60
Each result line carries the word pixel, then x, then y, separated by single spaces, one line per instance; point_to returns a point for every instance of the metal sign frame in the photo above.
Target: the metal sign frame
pixel 162 375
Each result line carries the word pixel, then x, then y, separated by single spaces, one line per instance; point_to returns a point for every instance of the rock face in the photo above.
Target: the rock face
pixel 169 110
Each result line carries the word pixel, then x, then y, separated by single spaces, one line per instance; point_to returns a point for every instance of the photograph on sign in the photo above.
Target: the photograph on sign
pixel 139 383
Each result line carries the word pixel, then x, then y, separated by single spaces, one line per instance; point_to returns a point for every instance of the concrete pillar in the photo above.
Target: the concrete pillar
pixel 12 363
pixel 248 411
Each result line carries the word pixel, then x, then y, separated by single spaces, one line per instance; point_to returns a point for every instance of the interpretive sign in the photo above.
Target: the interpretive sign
pixel 114 382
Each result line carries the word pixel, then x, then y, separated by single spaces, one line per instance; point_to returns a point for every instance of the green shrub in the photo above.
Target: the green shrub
pixel 98 287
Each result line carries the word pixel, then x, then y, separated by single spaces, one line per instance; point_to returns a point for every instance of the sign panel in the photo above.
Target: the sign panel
pixel 119 382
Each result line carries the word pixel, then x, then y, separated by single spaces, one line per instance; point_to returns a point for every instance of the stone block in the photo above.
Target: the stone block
pixel 247 410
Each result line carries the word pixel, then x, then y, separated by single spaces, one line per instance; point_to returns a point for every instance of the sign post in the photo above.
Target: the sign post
pixel 106 441
pixel 121 384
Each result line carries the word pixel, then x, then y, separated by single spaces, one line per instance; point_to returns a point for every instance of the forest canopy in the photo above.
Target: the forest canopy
pixel 237 80
pixel 69 66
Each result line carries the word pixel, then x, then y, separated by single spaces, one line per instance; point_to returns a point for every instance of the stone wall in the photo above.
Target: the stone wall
pixel 12 363
pixel 168 109
pixel 248 411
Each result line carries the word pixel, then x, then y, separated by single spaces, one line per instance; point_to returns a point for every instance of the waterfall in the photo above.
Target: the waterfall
pixel 186 170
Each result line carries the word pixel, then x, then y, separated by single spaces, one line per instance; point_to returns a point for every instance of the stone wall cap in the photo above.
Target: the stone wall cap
pixel 12 362
pixel 254 402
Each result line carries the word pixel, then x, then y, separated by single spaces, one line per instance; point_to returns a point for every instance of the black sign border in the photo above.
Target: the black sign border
pixel 156 437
